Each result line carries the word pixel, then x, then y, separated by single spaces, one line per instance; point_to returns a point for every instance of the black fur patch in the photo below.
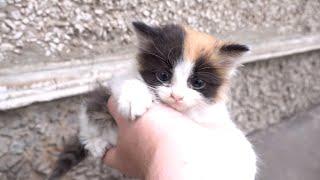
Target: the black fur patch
pixel 208 73
pixel 160 49
pixel 73 153
pixel 96 103
pixel 97 99
pixel 234 49
pixel 144 30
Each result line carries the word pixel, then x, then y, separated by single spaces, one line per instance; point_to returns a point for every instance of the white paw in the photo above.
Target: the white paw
pixel 97 147
pixel 134 100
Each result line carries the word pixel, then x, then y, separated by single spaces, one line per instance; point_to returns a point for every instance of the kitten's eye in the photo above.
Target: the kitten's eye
pixel 197 83
pixel 163 76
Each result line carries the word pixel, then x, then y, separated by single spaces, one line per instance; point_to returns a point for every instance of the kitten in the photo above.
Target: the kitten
pixel 180 67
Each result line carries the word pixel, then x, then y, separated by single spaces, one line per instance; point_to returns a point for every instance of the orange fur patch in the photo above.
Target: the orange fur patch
pixel 197 44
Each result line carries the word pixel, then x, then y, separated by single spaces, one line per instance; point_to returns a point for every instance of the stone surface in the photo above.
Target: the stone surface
pixel 29 151
pixel 17 147
pixel 100 25
pixel 290 150
pixel 2 3
pixel 263 94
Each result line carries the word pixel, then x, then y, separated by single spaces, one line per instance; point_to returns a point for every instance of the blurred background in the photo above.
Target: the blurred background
pixel 52 51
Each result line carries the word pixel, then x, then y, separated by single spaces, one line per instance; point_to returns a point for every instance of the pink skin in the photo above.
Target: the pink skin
pixel 176 101
pixel 162 144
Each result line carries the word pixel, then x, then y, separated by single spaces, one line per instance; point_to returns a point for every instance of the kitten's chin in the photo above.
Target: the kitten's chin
pixel 178 106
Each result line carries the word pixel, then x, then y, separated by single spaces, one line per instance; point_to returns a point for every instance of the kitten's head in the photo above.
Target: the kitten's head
pixel 184 67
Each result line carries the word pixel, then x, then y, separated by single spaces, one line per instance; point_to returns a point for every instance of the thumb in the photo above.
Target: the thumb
pixel 112 107
pixel 111 158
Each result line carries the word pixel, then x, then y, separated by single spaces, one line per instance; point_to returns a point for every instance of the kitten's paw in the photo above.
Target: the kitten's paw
pixel 97 147
pixel 134 100
pixel 139 107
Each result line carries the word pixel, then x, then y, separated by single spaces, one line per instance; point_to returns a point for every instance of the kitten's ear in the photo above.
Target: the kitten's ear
pixel 230 54
pixel 143 30
pixel 233 50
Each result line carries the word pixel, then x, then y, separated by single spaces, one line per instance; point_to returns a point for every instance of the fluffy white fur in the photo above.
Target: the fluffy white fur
pixel 96 139
pixel 234 158
pixel 180 88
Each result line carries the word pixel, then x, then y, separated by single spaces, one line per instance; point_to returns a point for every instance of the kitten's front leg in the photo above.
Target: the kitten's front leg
pixel 133 97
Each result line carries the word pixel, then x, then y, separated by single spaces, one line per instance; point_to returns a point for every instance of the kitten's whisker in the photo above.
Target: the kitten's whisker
pixel 170 52
pixel 152 87
pixel 205 67
pixel 161 58
pixel 157 48
pixel 170 60
pixel 165 61
pixel 143 50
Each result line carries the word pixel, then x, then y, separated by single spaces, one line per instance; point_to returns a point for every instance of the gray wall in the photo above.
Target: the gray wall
pixel 67 26
pixel 266 92
pixel 263 93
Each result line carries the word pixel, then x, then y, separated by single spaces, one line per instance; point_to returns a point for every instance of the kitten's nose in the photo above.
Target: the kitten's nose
pixel 176 97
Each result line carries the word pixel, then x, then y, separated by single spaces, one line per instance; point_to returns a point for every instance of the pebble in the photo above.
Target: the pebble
pixel 3 3
pixel 25 20
pixel 2 15
pixel 56 40
pixel 6 47
pixel 82 177
pixel 60 47
pixel 146 13
pixel 19 43
pixel 4 146
pixel 5 28
pixel 17 35
pixel 17 51
pixel 43 168
pixel 9 23
pixel 13 160
pixel 1 57
pixel 15 14
pixel 3 176
pixel 99 11
pixel 17 147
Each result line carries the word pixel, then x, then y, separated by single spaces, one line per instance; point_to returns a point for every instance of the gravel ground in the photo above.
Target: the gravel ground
pixel 62 27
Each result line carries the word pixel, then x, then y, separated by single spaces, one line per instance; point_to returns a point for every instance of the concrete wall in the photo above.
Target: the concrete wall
pixel 263 93
pixel 266 92
pixel 81 27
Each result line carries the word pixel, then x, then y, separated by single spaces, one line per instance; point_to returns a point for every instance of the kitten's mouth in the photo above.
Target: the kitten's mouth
pixel 177 105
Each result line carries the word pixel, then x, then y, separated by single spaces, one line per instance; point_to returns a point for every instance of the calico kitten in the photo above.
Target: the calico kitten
pixel 183 68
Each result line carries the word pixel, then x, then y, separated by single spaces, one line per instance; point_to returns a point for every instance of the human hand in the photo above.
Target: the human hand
pixel 162 144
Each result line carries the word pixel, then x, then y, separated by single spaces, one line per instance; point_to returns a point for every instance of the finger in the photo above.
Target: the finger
pixel 112 107
pixel 110 158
